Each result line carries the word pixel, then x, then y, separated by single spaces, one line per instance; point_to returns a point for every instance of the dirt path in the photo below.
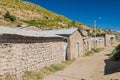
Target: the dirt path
pixel 96 67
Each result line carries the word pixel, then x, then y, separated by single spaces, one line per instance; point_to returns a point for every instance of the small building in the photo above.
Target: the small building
pixel 100 42
pixel 91 42
pixel 74 41
pixel 24 50
pixel 109 39
pixel 87 44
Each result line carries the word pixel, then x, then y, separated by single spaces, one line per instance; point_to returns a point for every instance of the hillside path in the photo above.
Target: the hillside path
pixel 95 67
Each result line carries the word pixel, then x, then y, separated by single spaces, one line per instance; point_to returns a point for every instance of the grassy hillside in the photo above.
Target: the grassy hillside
pixel 13 12
pixel 31 14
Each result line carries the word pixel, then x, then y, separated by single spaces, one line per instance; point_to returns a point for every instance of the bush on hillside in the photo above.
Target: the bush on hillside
pixel 9 17
pixel 115 53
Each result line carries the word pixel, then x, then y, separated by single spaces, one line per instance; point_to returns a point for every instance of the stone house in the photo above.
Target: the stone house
pixel 23 50
pixel 74 41
pixel 100 42
pixel 91 42
pixel 87 44
pixel 109 39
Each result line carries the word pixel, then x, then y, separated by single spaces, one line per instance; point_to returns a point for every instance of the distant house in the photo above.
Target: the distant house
pixel 100 42
pixel 87 44
pixel 91 42
pixel 74 41
pixel 24 50
pixel 109 39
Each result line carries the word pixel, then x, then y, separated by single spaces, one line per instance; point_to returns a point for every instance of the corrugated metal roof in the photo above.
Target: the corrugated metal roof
pixel 22 32
pixel 60 31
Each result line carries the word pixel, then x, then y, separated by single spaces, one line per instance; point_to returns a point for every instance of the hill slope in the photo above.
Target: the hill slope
pixel 31 14
pixel 13 12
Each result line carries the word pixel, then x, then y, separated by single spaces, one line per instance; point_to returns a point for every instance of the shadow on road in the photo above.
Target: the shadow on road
pixel 111 66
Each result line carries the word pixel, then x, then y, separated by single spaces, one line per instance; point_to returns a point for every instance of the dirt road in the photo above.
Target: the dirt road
pixel 95 67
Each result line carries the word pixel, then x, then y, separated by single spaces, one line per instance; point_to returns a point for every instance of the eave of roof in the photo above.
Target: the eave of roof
pixel 22 32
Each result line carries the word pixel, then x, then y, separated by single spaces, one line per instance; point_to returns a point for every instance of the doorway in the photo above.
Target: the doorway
pixel 77 48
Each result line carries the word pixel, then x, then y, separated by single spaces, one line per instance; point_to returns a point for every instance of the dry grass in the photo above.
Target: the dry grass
pixel 89 53
pixel 39 75
pixel 45 71
pixel 97 50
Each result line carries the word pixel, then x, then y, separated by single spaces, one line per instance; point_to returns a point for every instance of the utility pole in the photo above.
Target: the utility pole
pixel 95 34
pixel 95 31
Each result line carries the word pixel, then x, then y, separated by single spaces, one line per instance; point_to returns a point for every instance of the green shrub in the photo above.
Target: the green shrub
pixel 54 68
pixel 115 54
pixel 90 34
pixel 9 17
pixel 96 50
pixel 29 75
pixel 89 53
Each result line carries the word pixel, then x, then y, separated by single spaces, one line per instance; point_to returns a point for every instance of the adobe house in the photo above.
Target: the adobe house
pixel 87 44
pixel 74 41
pixel 23 50
pixel 100 42
pixel 91 42
pixel 109 39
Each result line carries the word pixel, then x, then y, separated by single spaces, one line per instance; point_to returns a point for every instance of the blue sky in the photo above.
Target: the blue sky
pixel 86 11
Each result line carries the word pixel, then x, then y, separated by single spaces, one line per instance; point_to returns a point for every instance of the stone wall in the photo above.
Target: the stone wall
pixel 20 55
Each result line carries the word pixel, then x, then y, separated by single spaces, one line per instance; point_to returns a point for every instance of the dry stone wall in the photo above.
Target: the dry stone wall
pixel 16 58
